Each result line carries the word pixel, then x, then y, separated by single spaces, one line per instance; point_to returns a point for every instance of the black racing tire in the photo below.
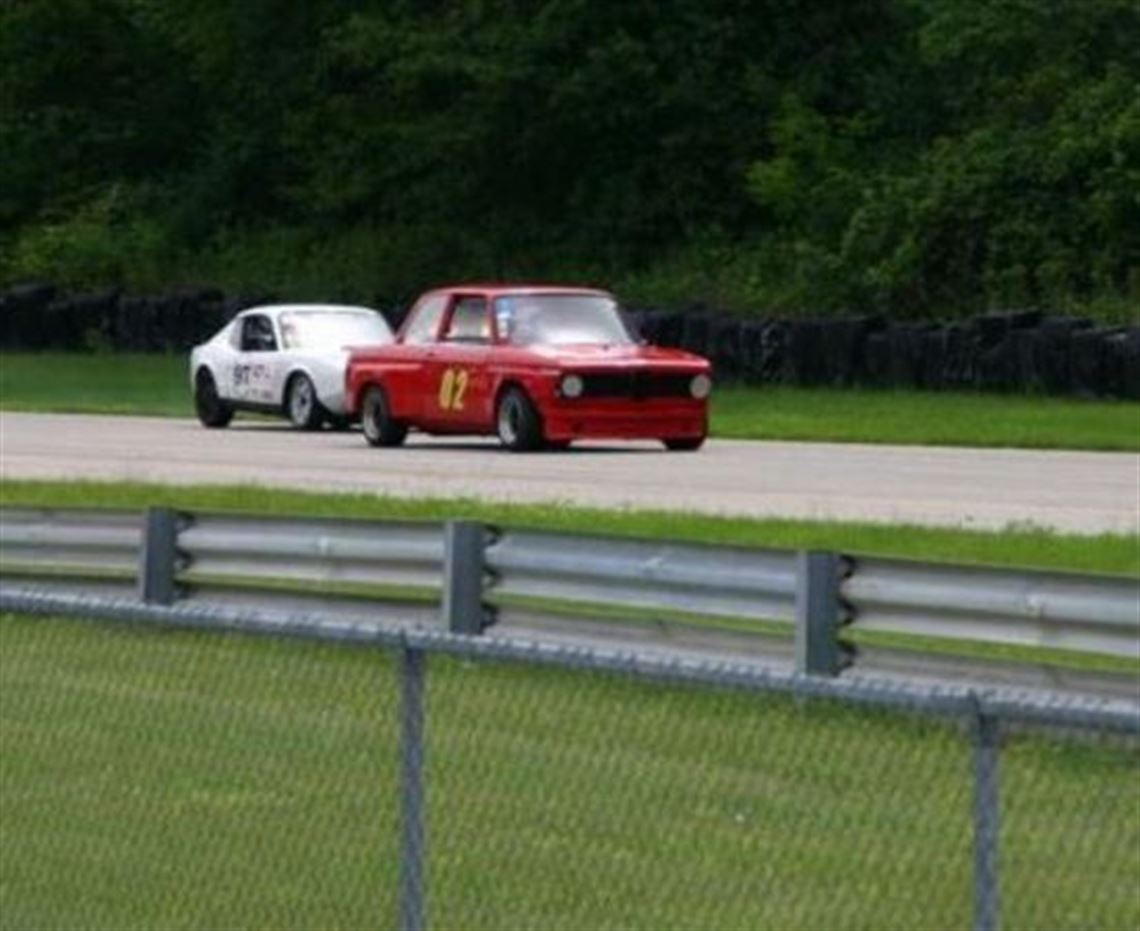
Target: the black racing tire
pixel 376 420
pixel 301 404
pixel 686 444
pixel 212 411
pixel 517 422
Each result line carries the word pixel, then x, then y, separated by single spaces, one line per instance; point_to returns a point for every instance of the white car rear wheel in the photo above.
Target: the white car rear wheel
pixel 301 404
pixel 212 411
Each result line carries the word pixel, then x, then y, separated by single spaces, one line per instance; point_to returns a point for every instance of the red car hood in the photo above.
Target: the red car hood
pixel 596 356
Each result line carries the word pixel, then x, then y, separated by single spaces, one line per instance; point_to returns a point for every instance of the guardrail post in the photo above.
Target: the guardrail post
pixel 159 556
pixel 817 613
pixel 986 823
pixel 411 895
pixel 463 577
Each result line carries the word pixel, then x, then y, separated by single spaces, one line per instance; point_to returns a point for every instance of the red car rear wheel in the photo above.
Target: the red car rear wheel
pixel 684 444
pixel 376 420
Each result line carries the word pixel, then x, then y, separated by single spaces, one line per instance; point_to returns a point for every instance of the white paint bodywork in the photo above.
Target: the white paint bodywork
pixel 258 379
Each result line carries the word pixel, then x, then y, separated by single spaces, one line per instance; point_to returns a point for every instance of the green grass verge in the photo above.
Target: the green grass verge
pixel 158 385
pixel 127 383
pixel 1018 545
pixel 927 418
pixel 184 780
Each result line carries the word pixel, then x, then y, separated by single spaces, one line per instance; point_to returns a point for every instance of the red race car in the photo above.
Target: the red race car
pixel 538 365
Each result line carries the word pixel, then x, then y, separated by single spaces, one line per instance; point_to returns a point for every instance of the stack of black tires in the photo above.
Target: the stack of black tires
pixel 1018 351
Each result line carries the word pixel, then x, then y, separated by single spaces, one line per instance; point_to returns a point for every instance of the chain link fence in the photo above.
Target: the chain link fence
pixel 154 777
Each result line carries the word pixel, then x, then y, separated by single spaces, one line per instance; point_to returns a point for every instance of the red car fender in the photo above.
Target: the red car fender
pixel 538 382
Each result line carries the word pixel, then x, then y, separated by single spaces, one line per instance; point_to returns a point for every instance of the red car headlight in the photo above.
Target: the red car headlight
pixel 571 386
pixel 700 386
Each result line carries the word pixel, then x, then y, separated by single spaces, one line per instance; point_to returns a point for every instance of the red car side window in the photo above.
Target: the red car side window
pixel 423 322
pixel 469 322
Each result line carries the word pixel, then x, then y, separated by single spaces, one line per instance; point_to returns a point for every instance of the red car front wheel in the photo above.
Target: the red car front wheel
pixel 517 422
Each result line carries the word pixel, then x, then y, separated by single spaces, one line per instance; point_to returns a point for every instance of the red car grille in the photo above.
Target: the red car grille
pixel 635 385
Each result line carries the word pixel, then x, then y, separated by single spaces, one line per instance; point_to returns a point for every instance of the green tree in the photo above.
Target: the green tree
pixel 91 99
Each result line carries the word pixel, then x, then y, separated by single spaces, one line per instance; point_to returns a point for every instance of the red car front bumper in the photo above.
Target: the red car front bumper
pixel 651 419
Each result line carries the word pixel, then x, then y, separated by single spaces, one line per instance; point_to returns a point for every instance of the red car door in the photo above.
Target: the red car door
pixel 460 386
pixel 411 378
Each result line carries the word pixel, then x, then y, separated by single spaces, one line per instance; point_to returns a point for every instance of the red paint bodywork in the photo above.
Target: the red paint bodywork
pixel 411 376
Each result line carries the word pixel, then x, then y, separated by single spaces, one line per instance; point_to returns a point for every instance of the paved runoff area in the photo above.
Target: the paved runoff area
pixel 982 488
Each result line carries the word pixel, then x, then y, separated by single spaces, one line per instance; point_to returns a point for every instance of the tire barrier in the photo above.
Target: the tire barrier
pixel 1014 351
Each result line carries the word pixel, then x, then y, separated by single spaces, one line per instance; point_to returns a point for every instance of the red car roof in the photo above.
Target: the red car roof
pixel 498 288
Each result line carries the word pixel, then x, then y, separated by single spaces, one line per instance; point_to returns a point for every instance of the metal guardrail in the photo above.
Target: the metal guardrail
pixel 318 550
pixel 711 581
pixel 714 601
pixel 1088 614
pixel 97 542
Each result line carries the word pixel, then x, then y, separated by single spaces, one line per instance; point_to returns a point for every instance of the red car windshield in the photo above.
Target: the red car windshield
pixel 559 320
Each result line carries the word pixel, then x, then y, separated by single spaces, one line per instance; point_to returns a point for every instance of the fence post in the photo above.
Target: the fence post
pixel 463 577
pixel 817 613
pixel 158 557
pixel 986 823
pixel 411 893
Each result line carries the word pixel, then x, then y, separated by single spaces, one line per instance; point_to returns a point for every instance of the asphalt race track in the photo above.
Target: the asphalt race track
pixel 1078 492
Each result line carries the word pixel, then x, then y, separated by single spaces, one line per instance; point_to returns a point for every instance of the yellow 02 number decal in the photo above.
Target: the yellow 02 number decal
pixel 452 387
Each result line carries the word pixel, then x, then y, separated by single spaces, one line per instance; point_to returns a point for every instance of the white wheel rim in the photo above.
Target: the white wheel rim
pixel 370 418
pixel 301 401
pixel 508 427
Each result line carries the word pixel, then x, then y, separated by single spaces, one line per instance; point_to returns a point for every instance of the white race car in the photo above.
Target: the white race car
pixel 282 359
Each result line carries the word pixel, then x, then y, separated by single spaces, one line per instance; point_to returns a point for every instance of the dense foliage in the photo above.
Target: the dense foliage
pixel 920 157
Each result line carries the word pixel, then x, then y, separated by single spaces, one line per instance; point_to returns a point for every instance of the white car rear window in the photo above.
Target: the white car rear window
pixel 332 329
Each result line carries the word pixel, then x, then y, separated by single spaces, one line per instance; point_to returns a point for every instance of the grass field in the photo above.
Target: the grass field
pixel 927 418
pixel 89 384
pixel 158 384
pixel 174 780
